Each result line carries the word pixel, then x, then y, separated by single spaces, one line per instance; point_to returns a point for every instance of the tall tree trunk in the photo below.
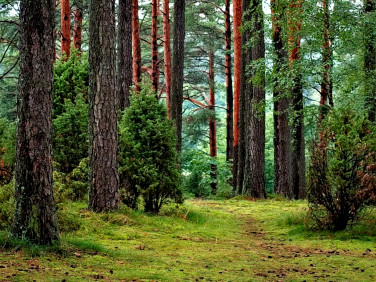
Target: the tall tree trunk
pixel 103 108
pixel 124 75
pixel 229 92
pixel 237 20
pixel 212 126
pixel 176 109
pixel 77 27
pixel 297 134
pixel 253 90
pixel 35 210
pixel 326 65
pixel 154 45
pixel 370 59
pixel 136 46
pixel 282 150
pixel 65 28
pixel 167 52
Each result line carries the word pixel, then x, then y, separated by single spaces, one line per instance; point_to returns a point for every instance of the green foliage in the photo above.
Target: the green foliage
pixel 70 142
pixel 342 170
pixel 148 159
pixel 71 78
pixel 196 168
pixel 6 205
pixel 72 186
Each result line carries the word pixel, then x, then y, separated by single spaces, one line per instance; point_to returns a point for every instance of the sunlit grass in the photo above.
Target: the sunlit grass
pixel 238 240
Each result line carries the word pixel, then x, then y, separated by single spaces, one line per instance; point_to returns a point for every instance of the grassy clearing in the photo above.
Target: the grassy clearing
pixel 237 240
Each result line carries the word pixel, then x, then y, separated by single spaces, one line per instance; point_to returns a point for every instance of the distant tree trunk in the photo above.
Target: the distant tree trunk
pixel 237 20
pixel 282 138
pixel 176 110
pixel 229 92
pixel 254 98
pixel 212 126
pixel 35 210
pixel 136 46
pixel 167 52
pixel 124 76
pixel 370 59
pixel 77 28
pixel 297 138
pixel 326 65
pixel 65 28
pixel 154 46
pixel 103 108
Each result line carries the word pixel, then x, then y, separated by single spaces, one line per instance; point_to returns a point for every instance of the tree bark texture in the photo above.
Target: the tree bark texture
pixel 237 21
pixel 370 59
pixel 35 210
pixel 167 52
pixel 103 107
pixel 125 60
pixel 212 126
pixel 154 46
pixel 326 91
pixel 229 91
pixel 136 46
pixel 298 182
pixel 65 28
pixel 77 27
pixel 253 90
pixel 176 110
pixel 282 136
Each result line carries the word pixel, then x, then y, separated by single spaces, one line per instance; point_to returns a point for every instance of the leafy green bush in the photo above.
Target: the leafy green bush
pixel 342 170
pixel 70 138
pixel 71 78
pixel 148 159
pixel 6 205
pixel 71 186
pixel 197 180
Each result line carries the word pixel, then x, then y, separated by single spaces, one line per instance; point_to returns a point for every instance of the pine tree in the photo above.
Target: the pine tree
pixel 136 42
pixel 176 110
pixel 297 134
pixel 125 71
pixel 167 52
pixel 237 19
pixel 253 91
pixel 229 90
pixel 370 58
pixel 77 27
pixel 103 107
pixel 282 137
pixel 65 28
pixel 35 210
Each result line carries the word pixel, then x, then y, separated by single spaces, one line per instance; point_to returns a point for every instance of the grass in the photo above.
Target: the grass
pixel 237 240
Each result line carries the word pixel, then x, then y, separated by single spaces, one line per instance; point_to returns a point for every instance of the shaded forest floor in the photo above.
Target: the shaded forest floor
pixel 227 240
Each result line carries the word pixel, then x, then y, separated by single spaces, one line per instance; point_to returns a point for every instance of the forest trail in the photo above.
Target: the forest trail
pixel 225 240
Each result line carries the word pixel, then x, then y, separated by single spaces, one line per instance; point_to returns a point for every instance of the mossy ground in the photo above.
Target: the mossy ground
pixel 227 240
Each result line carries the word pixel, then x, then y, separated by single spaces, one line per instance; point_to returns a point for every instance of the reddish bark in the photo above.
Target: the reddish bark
pixel 237 19
pixel 212 124
pixel 154 45
pixel 167 52
pixel 65 28
pixel 136 46
pixel 77 28
pixel 229 92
